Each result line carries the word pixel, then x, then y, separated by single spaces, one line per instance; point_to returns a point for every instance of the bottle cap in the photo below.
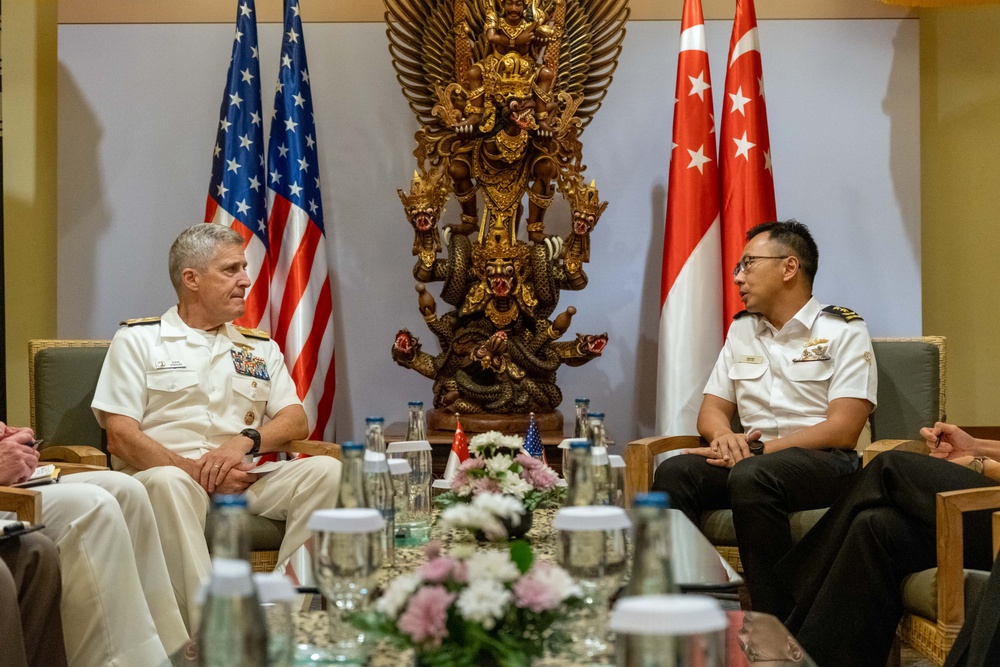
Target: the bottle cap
pixel 652 499
pixel 230 578
pixel 579 443
pixel 344 520
pixel 667 615
pixel 375 462
pixel 408 446
pixel 416 404
pixel 273 587
pixel 352 446
pixel 583 400
pixel 399 467
pixel 616 461
pixel 229 500
pixel 592 517
pixel 597 415
pixel 375 420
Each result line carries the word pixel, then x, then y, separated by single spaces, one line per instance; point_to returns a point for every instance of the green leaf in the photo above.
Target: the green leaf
pixel 521 554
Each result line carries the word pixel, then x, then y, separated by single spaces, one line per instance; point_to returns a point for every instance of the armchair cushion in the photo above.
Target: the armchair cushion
pixel 920 593
pixel 718 526
pixel 910 386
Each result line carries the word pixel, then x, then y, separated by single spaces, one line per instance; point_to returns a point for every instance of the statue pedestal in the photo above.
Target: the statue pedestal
pixel 511 424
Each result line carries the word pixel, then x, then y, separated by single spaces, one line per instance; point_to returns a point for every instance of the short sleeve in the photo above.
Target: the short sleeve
pixel 121 388
pixel 283 392
pixel 719 382
pixel 854 373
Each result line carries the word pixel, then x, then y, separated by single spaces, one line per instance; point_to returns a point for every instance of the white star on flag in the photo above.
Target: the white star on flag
pixel 743 147
pixel 699 85
pixel 738 101
pixel 698 159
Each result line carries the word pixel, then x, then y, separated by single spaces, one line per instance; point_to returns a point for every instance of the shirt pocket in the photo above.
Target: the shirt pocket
pixel 250 393
pixel 749 381
pixel 169 392
pixel 810 371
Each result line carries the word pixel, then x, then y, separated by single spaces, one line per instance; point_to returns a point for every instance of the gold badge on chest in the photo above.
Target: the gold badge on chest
pixel 249 417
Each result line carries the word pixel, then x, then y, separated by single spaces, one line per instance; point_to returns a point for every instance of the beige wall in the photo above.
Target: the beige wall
pixel 960 184
pixel 29 182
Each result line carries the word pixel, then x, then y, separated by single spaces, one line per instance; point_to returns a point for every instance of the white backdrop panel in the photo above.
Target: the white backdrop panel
pixel 138 111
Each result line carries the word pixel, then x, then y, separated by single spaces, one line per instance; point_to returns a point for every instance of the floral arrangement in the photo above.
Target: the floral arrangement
pixel 475 608
pixel 495 487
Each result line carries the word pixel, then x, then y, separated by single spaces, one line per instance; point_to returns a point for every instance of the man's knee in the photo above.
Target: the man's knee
pixel 168 482
pixel 675 472
pixel 320 468
pixel 748 476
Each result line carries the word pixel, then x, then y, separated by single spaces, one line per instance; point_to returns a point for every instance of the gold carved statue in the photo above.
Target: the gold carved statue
pixel 503 90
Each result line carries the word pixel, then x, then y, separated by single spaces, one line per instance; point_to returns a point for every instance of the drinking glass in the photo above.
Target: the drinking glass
pixel 592 549
pixel 346 555
pixel 617 480
pixel 400 471
pixel 413 523
pixel 277 598
pixel 669 631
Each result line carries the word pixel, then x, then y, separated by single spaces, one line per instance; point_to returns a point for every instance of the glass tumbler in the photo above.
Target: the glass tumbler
pixel 592 549
pixel 669 631
pixel 346 555
pixel 277 598
pixel 413 522
pixel 617 480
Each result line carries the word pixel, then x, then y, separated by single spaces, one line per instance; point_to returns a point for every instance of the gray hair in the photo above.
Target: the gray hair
pixel 195 248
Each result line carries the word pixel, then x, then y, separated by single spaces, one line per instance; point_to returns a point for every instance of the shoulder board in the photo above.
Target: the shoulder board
pixel 139 321
pixel 742 313
pixel 253 333
pixel 846 314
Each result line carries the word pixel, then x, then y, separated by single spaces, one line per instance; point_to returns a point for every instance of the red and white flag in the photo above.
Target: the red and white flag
pixel 301 299
pixel 459 452
pixel 690 288
pixel 744 150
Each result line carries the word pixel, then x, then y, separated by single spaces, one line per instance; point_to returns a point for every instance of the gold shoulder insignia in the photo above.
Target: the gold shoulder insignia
pixel 139 321
pixel 846 314
pixel 253 333
pixel 742 313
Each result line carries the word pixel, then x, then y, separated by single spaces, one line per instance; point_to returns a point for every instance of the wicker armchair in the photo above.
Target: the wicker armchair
pixel 62 376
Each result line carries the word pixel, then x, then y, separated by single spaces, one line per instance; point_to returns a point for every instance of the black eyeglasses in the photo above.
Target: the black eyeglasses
pixel 745 263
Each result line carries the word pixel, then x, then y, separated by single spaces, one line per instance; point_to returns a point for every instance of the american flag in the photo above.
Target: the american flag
pixel 533 440
pixel 236 193
pixel 301 300
pixel 690 287
pixel 744 150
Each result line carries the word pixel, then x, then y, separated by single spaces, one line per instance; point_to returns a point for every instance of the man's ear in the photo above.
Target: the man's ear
pixel 190 279
pixel 791 268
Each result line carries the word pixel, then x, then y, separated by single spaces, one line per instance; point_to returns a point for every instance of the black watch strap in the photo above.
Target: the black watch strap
pixel 254 435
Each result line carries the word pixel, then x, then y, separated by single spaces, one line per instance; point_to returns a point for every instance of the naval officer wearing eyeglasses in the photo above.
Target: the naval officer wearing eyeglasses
pixel 801 377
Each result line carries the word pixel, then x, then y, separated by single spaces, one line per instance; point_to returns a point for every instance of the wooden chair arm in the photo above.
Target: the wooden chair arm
pixel 879 446
pixel 71 468
pixel 640 456
pixel 996 535
pixel 313 448
pixel 74 454
pixel 950 576
pixel 26 503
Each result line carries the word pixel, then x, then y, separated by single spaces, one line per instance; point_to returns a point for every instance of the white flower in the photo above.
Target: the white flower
pixel 492 566
pixel 484 600
pixel 558 580
pixel 470 517
pixel 515 485
pixel 514 442
pixel 396 595
pixel 495 440
pixel 500 463
pixel 499 505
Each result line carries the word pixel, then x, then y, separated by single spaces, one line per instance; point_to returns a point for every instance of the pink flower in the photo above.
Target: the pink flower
pixel 485 485
pixel 432 549
pixel 472 462
pixel 527 461
pixel 426 615
pixel 436 570
pixel 542 478
pixel 535 595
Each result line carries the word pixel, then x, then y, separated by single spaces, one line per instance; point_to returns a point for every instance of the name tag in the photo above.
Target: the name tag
pixel 171 364
pixel 749 359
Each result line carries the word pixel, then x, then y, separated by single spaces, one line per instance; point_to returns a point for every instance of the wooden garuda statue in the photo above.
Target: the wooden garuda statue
pixel 503 90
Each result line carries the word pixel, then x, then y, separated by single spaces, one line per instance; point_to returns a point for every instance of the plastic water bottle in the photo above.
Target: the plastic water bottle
pixel 374 435
pixel 581 484
pixel 652 571
pixel 229 527
pixel 233 632
pixel 352 482
pixel 582 410
pixel 413 522
pixel 416 424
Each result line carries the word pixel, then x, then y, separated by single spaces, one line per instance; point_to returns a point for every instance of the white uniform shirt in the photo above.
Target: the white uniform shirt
pixel 188 392
pixel 757 369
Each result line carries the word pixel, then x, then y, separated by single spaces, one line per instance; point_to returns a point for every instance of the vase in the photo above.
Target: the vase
pixel 513 532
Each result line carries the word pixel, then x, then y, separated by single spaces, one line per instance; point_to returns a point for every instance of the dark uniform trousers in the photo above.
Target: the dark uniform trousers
pixel 978 644
pixel 845 574
pixel 761 491
pixel 30 624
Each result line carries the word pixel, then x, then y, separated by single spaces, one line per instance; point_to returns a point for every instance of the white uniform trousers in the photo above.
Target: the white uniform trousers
pixel 117 604
pixel 290 494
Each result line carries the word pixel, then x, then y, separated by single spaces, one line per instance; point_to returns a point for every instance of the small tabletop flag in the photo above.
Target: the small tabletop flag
pixel 459 451
pixel 533 440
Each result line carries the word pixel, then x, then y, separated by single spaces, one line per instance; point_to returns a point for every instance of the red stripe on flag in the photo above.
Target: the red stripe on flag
pixel 281 208
pixel 297 281
pixel 325 406
pixel 305 365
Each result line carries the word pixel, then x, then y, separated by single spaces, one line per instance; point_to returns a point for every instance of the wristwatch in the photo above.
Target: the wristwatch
pixel 255 436
pixel 756 447
pixel 977 464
